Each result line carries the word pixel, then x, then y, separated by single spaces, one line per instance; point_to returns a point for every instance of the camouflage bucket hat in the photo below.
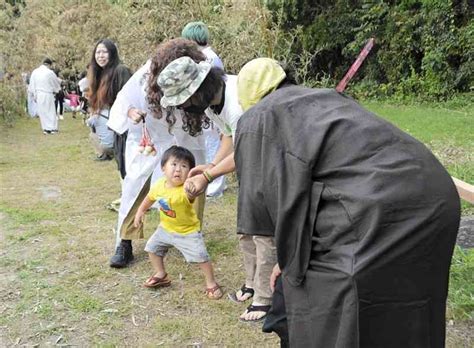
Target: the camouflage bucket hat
pixel 180 80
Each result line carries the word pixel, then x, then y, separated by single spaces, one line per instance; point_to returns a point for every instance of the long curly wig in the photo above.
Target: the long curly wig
pixel 165 53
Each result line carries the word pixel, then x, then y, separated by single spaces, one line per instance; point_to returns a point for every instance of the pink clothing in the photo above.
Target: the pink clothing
pixel 73 99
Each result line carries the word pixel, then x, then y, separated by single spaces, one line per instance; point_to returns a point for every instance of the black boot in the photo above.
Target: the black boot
pixel 123 254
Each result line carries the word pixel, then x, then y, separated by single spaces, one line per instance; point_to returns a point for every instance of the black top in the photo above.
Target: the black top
pixel 349 198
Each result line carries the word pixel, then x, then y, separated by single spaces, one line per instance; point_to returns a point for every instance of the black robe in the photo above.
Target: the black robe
pixel 364 217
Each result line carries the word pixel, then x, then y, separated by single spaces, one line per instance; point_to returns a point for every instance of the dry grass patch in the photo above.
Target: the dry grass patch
pixel 57 238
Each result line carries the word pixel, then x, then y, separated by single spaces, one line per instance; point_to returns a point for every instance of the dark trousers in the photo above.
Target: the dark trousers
pixel 120 141
pixel 275 320
pixel 59 101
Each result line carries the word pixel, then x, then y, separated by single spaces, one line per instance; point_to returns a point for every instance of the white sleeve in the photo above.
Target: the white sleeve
pixel 32 84
pixel 131 95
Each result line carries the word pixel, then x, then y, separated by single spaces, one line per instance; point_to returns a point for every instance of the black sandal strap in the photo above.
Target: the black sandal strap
pixel 246 290
pixel 262 308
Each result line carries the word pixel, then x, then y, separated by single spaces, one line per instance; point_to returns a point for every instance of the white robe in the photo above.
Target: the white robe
pixel 140 167
pixel 32 109
pixel 43 85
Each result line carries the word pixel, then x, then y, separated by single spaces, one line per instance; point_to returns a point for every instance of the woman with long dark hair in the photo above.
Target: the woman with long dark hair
pixel 106 78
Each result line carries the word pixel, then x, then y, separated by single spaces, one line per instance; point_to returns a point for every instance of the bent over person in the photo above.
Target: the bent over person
pixel 139 102
pixel 364 216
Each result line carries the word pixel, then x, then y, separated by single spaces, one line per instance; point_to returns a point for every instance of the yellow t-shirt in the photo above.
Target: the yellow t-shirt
pixel 177 214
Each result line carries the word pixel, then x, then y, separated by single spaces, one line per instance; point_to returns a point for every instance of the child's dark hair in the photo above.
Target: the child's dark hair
pixel 179 153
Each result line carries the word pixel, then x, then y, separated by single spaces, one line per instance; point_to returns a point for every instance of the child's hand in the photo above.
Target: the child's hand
pixel 138 221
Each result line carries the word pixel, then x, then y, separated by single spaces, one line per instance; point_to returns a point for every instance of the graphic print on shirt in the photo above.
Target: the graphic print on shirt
pixel 165 208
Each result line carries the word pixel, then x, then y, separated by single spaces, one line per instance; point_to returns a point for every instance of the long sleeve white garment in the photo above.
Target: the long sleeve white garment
pixel 43 84
pixel 43 80
pixel 140 167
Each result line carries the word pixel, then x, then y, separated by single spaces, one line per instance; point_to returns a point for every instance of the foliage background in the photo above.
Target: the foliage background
pixel 424 48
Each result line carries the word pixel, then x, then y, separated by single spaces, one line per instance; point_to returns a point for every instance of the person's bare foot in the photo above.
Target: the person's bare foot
pixel 157 281
pixel 214 292
pixel 244 293
pixel 254 313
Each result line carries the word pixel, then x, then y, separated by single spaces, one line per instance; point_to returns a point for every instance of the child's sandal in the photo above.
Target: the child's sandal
pixel 214 293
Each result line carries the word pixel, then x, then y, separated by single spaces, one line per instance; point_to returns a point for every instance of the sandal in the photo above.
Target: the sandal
pixel 244 290
pixel 252 308
pixel 155 282
pixel 214 293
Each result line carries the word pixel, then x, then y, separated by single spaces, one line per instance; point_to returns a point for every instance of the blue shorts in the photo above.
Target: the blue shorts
pixel 190 245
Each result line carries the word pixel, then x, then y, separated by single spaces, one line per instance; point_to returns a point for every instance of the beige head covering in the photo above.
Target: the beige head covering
pixel 256 79
pixel 181 79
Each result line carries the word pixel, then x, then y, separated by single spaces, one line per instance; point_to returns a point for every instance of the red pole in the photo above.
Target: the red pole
pixel 355 66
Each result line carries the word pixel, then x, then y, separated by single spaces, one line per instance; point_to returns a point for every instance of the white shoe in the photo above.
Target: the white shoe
pixel 61 117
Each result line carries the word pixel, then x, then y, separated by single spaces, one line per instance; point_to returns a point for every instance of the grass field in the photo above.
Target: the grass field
pixel 56 239
pixel 448 133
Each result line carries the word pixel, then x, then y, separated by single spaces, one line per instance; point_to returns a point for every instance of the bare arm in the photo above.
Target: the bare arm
pixel 198 184
pixel 226 147
pixel 226 166
pixel 146 204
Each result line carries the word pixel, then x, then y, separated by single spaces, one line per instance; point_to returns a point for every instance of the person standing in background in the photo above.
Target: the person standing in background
pixel 199 33
pixel 30 103
pixel 43 85
pixel 74 102
pixel 59 101
pixel 106 77
pixel 83 88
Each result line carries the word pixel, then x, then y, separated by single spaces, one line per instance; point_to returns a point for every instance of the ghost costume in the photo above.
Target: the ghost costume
pixel 364 217
pixel 43 85
pixel 140 167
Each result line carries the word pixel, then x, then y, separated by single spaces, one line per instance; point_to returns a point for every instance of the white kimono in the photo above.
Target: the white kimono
pixel 140 167
pixel 43 85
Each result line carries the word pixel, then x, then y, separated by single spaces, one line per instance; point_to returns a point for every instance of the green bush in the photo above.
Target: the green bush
pixel 12 102
pixel 424 48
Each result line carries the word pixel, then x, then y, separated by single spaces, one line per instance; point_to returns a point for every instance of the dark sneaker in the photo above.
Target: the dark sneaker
pixel 103 157
pixel 123 255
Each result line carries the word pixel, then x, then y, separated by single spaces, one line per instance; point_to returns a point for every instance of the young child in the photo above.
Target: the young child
pixel 74 102
pixel 179 225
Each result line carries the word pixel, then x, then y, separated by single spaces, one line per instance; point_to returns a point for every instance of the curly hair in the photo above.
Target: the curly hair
pixel 165 53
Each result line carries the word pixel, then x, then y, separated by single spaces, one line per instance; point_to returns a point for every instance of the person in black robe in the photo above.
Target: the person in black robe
pixel 364 217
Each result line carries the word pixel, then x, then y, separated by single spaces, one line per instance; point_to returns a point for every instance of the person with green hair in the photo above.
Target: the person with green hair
pixel 199 33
